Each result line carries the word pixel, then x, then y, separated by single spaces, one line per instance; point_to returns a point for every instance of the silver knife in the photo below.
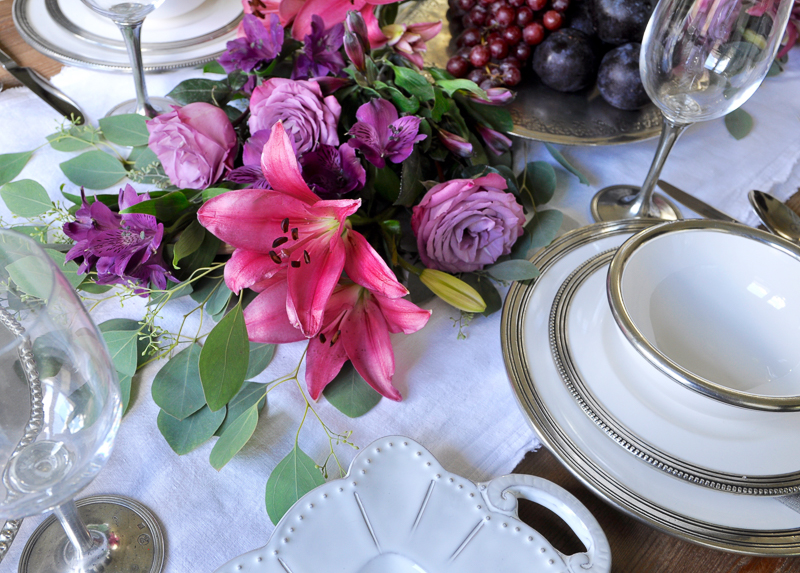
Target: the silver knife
pixel 695 204
pixel 51 95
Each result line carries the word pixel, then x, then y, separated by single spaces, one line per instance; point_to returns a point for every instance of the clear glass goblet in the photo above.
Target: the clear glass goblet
pixel 60 409
pixel 129 16
pixel 700 60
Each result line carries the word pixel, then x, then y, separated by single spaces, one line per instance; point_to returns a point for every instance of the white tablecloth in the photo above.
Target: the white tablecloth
pixel 458 400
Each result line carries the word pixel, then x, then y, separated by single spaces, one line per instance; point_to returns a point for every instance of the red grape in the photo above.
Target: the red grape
pixel 512 34
pixel 533 33
pixel 477 16
pixel 521 51
pixel 465 5
pixel 477 75
pixel 512 76
pixel 505 16
pixel 524 16
pixel 458 66
pixel 552 20
pixel 560 5
pixel 493 36
pixel 485 3
pixel 537 5
pixel 516 3
pixel 479 56
pixel 498 48
pixel 469 37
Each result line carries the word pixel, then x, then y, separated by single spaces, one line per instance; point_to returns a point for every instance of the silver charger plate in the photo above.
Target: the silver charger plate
pixel 58 34
pixel 719 519
pixel 540 113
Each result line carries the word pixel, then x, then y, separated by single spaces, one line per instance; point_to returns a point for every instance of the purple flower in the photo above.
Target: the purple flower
pixel 250 173
pixel 122 248
pixel 464 224
pixel 320 54
pixel 356 40
pixel 380 135
pixel 308 118
pixel 496 96
pixel 262 42
pixel 332 173
pixel 497 142
pixel 455 143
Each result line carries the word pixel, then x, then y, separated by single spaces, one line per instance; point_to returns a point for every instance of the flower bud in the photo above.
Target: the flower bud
pixel 455 143
pixel 355 51
pixel 354 24
pixel 453 290
pixel 496 96
pixel 497 142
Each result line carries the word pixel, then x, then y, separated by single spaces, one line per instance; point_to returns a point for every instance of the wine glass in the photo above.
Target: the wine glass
pixel 60 409
pixel 128 16
pixel 700 59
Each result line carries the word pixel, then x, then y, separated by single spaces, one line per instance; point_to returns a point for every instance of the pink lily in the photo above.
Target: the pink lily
pixel 356 327
pixel 408 40
pixel 289 229
pixel 332 12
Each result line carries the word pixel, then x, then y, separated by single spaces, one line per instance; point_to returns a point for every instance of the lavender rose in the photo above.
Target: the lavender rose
pixel 308 118
pixel 464 224
pixel 195 143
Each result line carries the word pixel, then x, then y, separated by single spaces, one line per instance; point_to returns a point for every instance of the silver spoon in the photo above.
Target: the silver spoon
pixel 776 216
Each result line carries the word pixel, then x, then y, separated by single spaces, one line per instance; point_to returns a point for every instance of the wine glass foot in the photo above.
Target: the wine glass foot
pixel 160 104
pixel 615 204
pixel 134 536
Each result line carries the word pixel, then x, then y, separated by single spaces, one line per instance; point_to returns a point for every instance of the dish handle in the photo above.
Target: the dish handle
pixel 501 495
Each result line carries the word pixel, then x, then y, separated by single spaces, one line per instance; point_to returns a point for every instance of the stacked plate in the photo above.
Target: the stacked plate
pixel 641 383
pixel 180 33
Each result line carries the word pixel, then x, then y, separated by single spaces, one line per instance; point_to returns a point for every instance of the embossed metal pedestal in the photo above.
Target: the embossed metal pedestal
pixel 135 538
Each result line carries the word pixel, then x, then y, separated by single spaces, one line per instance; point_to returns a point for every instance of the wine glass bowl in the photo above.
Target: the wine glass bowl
pixel 700 59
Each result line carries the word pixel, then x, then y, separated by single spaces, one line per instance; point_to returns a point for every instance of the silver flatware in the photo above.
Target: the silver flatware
pixel 775 215
pixel 46 91
pixel 698 206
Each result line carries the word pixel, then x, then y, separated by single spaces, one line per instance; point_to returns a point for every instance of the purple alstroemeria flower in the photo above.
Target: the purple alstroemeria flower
pixel 455 143
pixel 495 141
pixel 250 173
pixel 320 54
pixel 332 173
pixel 260 44
pixel 380 135
pixel 122 248
pixel 496 96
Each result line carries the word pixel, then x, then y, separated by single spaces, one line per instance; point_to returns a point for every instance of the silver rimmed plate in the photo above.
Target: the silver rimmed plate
pixel 715 518
pixel 68 31
pixel 668 426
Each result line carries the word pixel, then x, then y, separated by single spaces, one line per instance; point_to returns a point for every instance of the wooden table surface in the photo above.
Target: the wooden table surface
pixel 635 547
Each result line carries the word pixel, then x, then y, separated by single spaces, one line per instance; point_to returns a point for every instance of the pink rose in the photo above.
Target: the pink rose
pixel 464 224
pixel 194 143
pixel 307 117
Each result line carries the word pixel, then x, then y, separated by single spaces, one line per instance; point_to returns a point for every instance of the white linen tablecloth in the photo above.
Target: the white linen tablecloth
pixel 458 401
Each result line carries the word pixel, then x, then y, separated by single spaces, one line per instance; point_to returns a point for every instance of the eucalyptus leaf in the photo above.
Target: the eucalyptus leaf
pixel 205 90
pixel 513 270
pixel 540 180
pixel 234 438
pixel 739 123
pixel 11 165
pixel 188 242
pixel 185 435
pixel 219 299
pixel 224 359
pixel 94 170
pixel 31 276
pixel 142 157
pixel 165 208
pixel 293 477
pixel 35 232
pixel 128 129
pixel 251 394
pixel 76 138
pixel 539 232
pixel 260 357
pixel 176 387
pixel 125 384
pixel 201 258
pixel 566 164
pixel 487 290
pixel 122 347
pixel 350 394
pixel 413 82
pixel 26 198
pixel 68 268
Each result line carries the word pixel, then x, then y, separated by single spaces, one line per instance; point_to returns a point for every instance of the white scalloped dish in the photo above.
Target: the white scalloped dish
pixel 399 511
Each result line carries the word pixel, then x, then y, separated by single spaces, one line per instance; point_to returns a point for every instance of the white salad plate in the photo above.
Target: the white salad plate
pixel 673 428
pixel 70 32
pixel 399 511
pixel 715 518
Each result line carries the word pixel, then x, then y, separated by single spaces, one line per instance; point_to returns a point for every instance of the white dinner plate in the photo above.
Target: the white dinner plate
pixel 70 32
pixel 645 411
pixel 715 518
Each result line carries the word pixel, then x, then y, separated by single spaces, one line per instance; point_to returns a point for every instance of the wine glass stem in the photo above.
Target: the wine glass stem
pixel 89 551
pixel 670 131
pixel 132 33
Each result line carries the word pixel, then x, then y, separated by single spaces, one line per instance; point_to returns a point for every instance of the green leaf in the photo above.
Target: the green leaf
pixel 174 291
pixel 234 438
pixel 539 232
pixel 774 69
pixel 176 387
pixel 405 104
pixel 251 394
pixel 94 170
pixel 739 123
pixel 496 117
pixel 31 276
pixel 201 258
pixel 94 288
pixel 35 232
pixel 119 324
pixel 185 435
pixel 260 357
pixel 566 164
pixel 129 130
pixel 386 183
pixel 208 91
pixel 218 301
pixel 142 156
pixel 487 290
pixel 540 180
pixel 212 192
pixel 224 359
pixel 125 383
pixel 76 138
pixel 440 105
pixel 413 82
pixel 188 242
pixel 440 74
pixel 68 268
pixel 213 68
pixel 122 346
pixel 350 394
pixel 452 86
pixel 292 478
pixel 513 270
pixel 166 208
pixel 410 180
pixel 11 164
pixel 26 198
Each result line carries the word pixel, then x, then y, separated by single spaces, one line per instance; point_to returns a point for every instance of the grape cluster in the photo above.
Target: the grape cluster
pixel 499 36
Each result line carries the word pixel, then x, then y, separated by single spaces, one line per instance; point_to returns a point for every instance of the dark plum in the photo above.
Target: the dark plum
pixel 565 61
pixel 618 22
pixel 618 78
